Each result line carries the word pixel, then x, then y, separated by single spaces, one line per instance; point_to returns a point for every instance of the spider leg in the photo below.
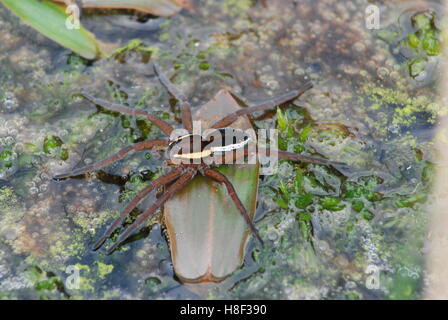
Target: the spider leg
pixel 120 155
pixel 187 119
pixel 298 157
pixel 289 156
pixel 163 125
pixel 219 177
pixel 266 105
pixel 175 187
pixel 165 179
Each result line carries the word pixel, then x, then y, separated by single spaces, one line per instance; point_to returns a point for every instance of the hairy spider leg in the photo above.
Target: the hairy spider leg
pixel 120 155
pixel 266 105
pixel 219 177
pixel 175 187
pixel 288 156
pixel 163 180
pixel 161 124
pixel 187 119
pixel 298 157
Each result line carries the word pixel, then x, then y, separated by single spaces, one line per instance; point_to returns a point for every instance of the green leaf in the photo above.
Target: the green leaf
pixel 282 120
pixel 50 19
pixel 206 230
pixel 305 133
pixel 416 67
pixel 332 204
pixel 414 41
pixel 357 205
pixel 422 21
pixel 304 201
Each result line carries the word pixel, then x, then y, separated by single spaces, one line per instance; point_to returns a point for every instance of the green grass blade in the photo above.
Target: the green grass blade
pixel 49 18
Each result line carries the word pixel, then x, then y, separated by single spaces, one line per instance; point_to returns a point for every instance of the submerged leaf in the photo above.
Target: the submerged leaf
pixel 163 8
pixel 50 19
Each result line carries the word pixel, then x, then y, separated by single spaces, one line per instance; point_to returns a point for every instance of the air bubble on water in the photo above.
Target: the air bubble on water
pixel 272 236
pixel 8 141
pixel 323 245
pixel 9 102
pixel 273 84
pixel 45 176
pixel 394 129
pixel 153 282
pixel 19 147
pixel 165 267
pixel 421 76
pixel 382 72
pixel 33 190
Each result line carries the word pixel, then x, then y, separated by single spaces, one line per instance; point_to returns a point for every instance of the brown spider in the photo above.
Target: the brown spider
pixel 182 173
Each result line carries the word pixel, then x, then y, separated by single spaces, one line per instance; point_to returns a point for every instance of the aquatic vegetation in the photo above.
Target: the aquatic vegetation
pixel 419 40
pixel 56 96
pixel 135 45
pixel 47 284
pixel 50 19
pixel 407 109
pixel 8 163
pixel 53 146
pixel 57 22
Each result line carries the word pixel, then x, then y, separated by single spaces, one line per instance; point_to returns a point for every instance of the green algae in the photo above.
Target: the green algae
pixel 406 107
pixel 8 198
pixel 104 269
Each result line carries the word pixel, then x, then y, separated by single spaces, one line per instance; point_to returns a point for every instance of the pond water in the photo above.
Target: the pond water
pixel 356 232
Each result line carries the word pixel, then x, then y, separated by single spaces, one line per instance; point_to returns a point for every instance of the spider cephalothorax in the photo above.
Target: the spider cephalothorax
pixel 190 153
